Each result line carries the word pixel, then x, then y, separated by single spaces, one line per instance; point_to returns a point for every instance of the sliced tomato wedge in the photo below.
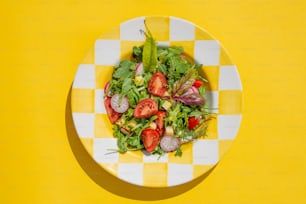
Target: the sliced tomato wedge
pixel 157 84
pixel 160 122
pixel 193 122
pixel 111 113
pixel 198 83
pixel 145 108
pixel 150 139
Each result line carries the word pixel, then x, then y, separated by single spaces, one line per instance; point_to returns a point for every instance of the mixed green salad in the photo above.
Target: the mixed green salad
pixel 155 100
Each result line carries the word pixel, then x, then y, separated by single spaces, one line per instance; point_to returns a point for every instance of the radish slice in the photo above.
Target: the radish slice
pixel 119 104
pixel 106 91
pixel 139 69
pixel 169 143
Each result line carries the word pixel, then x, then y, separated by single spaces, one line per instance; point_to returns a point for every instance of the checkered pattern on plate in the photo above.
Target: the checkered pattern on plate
pixel 224 93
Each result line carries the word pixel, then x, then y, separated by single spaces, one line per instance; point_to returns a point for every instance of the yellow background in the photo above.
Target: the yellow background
pixel 41 44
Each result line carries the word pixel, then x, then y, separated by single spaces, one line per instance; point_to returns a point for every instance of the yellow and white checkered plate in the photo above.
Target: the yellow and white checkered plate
pixel 224 96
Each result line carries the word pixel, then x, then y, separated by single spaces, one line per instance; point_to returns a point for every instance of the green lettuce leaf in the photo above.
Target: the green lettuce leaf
pixel 149 54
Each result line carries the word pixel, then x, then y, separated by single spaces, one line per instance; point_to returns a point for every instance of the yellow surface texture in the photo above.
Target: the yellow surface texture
pixel 43 41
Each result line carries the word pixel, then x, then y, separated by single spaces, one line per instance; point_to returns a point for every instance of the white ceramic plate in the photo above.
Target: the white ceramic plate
pixel 224 97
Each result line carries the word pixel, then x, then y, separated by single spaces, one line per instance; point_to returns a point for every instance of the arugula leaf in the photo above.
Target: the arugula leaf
pixel 162 51
pixel 201 131
pixel 158 151
pixel 137 53
pixel 126 86
pixel 179 65
pixel 124 70
pixel 133 96
pixel 149 54
pixel 178 152
pixel 121 72
pixel 175 50
pixel 162 68
pixel 135 142
pixel 121 141
pixel 201 90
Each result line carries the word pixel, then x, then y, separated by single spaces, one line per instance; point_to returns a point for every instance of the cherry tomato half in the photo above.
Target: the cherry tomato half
pixel 193 122
pixel 111 113
pixel 197 83
pixel 150 139
pixel 158 84
pixel 145 108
